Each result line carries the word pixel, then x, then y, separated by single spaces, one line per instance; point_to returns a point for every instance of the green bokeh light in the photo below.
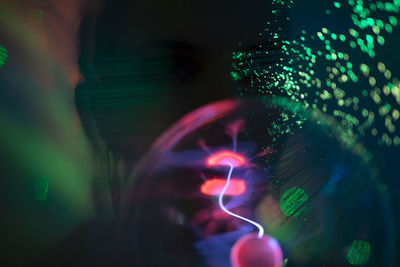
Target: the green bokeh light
pixel 292 201
pixel 3 56
pixel 359 252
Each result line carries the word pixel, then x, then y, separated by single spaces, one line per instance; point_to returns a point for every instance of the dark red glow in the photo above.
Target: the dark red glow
pixel 213 187
pixel 225 158
pixel 250 251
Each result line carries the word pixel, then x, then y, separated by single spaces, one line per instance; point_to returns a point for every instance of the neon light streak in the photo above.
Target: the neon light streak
pixel 213 187
pixel 221 204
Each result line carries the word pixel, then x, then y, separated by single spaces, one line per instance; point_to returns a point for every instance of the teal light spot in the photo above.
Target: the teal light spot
pixel 292 202
pixel 393 20
pixel 336 4
pixel 388 28
pixel 349 65
pixel 381 40
pixel 235 76
pixel 369 38
pixel 379 23
pixel 3 56
pixel 359 252
pixel 387 107
pixel 41 188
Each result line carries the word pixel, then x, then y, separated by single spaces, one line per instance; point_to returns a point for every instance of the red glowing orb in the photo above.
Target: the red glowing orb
pixel 225 158
pixel 251 251
pixel 213 187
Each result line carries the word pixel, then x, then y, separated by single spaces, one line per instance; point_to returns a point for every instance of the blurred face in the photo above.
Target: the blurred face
pixel 174 57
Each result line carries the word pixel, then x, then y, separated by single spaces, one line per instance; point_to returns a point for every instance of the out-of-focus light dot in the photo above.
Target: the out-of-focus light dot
pixel 376 29
pixel 381 67
pixel 372 81
pixel 386 90
pixel 365 112
pixel 395 91
pixel 369 38
pixel 391 128
pixel 386 140
pixel 364 69
pixel 387 74
pixel 396 140
pixel 376 99
pixel 343 78
pixel 353 32
pixel 393 20
pixel 395 114
pixel 349 65
pixel 379 23
pixel 380 40
pixel 382 111
pixel 364 93
pixel 388 28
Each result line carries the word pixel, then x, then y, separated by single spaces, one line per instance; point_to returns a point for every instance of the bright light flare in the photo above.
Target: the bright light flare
pixel 213 187
pixel 226 158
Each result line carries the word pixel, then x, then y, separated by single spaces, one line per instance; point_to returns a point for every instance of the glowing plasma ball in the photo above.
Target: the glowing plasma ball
pixel 226 158
pixel 213 187
pixel 251 251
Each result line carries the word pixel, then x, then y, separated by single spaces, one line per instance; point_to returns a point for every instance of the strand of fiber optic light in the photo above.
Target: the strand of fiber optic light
pixel 221 204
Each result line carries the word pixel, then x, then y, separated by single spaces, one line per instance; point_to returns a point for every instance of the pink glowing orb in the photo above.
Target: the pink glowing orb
pixel 225 158
pixel 251 251
pixel 213 187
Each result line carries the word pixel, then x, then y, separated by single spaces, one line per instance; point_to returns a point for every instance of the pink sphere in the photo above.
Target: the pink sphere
pixel 251 251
